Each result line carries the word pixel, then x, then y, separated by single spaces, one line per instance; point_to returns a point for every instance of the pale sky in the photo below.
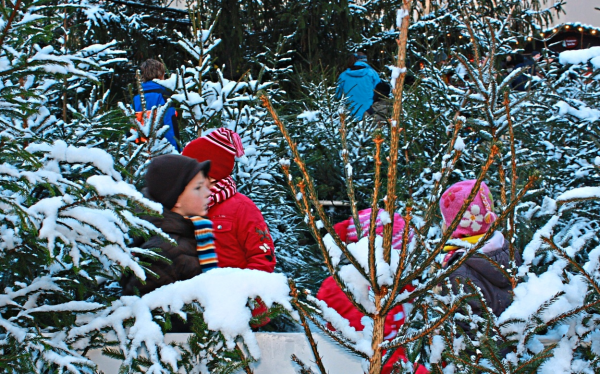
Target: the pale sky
pixel 581 11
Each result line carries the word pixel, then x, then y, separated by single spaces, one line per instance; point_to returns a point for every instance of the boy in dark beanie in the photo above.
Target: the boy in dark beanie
pixel 180 185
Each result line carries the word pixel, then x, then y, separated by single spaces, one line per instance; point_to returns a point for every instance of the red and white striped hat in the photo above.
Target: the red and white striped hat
pixel 221 147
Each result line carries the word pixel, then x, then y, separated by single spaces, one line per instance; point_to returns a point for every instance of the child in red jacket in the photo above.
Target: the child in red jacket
pixel 241 234
pixel 336 299
pixel 242 238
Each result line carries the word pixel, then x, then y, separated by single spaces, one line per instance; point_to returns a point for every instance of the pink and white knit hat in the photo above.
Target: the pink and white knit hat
pixel 478 217
pixel 221 146
pixel 364 217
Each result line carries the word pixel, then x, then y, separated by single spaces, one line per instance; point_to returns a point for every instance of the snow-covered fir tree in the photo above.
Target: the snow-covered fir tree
pixel 69 212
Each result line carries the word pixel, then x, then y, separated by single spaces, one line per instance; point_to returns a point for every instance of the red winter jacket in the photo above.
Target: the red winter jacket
pixel 242 239
pixel 336 299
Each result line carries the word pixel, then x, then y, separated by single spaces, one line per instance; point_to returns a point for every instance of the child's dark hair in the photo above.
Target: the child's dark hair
pixel 152 69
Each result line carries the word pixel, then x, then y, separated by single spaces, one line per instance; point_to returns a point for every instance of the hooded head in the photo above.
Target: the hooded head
pixel 221 146
pixel 168 175
pixel 364 217
pixel 478 217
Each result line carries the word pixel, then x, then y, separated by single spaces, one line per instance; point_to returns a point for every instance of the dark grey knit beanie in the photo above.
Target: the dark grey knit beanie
pixel 168 175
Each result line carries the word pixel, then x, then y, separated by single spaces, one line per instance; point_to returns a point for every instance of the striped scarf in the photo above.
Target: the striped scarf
pixel 205 243
pixel 223 190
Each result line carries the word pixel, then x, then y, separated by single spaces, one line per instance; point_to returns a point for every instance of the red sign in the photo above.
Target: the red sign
pixel 571 42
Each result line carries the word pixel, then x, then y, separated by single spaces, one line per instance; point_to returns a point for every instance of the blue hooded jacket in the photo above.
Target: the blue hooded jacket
pixel 358 83
pixel 155 98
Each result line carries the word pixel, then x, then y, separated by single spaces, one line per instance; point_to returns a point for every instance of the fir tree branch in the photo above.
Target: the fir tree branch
pixel 390 200
pixel 313 197
pixel 378 140
pixel 344 343
pixel 513 184
pixel 303 368
pixel 525 367
pixel 349 178
pixel 562 253
pixel 447 168
pixel 9 22
pixel 429 328
pixel 307 332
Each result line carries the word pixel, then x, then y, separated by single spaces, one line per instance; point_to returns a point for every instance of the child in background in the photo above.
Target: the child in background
pixel 336 299
pixel 475 222
pixel 180 185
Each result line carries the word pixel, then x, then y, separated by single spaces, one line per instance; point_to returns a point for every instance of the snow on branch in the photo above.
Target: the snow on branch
pixel 223 295
pixel 581 193
pixel 581 56
pixel 583 112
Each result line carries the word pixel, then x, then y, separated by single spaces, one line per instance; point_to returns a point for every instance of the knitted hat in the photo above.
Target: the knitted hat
pixel 360 56
pixel 168 175
pixel 364 217
pixel 478 217
pixel 221 146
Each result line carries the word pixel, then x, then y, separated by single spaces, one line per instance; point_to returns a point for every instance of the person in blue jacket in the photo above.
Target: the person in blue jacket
pixel 358 83
pixel 157 95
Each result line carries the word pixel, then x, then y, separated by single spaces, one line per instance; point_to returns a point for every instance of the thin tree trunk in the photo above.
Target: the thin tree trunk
pixel 375 363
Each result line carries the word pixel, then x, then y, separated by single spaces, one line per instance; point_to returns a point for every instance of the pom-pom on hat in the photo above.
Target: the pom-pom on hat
pixel 221 147
pixel 168 175
pixel 478 217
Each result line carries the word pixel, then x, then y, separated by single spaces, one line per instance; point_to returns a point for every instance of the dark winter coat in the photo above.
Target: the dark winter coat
pixel 156 95
pixel 495 287
pixel 184 260
pixel 242 238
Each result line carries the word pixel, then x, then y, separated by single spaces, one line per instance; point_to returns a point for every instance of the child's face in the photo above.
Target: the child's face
pixel 193 200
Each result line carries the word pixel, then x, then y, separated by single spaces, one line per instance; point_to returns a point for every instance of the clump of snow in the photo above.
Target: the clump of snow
pixel 459 145
pixel 583 113
pixel 384 216
pixel 536 242
pixel 223 295
pixel 579 56
pixel 334 251
pixel 338 322
pixel 60 151
pixel 537 290
pixel 396 71
pixel 580 193
pixel 348 170
pixel 437 347
pixel 310 116
pixel 548 207
pixel 400 14
pixel 106 186
pixel 562 355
